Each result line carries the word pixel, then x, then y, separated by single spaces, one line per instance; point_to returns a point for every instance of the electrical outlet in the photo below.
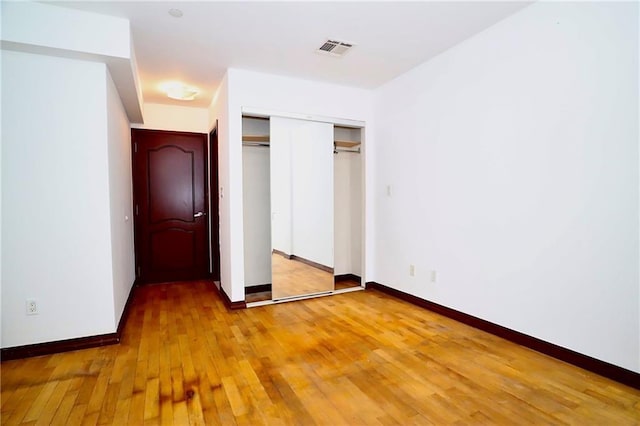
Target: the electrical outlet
pixel 389 191
pixel 412 270
pixel 434 276
pixel 32 307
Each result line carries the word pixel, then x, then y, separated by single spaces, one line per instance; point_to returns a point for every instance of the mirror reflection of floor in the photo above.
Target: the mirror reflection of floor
pixel 294 277
pixel 340 285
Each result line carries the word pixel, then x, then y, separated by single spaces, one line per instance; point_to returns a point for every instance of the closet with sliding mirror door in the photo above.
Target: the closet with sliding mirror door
pixel 302 208
pixel 347 166
pixel 256 199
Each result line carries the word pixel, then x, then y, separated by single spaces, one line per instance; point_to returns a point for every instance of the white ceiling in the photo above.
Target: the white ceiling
pixel 281 38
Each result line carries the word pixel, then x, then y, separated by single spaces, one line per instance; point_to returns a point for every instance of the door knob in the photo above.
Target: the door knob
pixel 199 214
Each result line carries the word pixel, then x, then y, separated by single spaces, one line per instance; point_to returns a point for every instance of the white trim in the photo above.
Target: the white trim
pixel 306 296
pixel 261 112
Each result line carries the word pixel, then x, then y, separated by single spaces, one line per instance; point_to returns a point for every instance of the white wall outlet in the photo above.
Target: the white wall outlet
pixel 389 191
pixel 412 270
pixel 434 276
pixel 32 307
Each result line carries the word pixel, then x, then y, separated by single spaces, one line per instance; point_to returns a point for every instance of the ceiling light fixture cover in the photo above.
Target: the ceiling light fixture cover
pixel 180 91
pixel 176 13
pixel 335 47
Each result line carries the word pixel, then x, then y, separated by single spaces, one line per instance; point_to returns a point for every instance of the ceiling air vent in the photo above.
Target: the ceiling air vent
pixel 335 48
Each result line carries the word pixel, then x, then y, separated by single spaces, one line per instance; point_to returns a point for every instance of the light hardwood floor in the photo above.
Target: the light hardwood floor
pixel 354 358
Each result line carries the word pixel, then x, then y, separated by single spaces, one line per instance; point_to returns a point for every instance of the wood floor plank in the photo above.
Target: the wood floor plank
pixel 63 412
pixel 152 400
pixel 77 414
pixel 45 416
pixel 11 398
pixel 354 358
pixel 234 397
pixel 37 407
pixel 98 396
pixel 180 413
pixel 17 413
pixel 194 408
pixel 121 414
pixel 90 419
pixel 136 408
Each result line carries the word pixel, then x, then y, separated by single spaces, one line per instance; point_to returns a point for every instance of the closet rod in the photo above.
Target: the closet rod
pixel 264 145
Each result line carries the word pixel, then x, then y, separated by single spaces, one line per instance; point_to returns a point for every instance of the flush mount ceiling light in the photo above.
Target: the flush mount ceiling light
pixel 179 91
pixel 176 13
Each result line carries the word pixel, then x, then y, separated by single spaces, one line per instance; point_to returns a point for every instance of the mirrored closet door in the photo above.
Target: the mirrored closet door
pixel 302 208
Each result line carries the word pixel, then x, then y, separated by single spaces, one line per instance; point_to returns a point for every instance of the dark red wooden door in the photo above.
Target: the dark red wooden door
pixel 170 187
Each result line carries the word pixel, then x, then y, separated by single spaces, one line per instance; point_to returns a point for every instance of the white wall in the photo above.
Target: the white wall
pixel 257 218
pixel 34 27
pixel 56 27
pixel 513 162
pixel 342 212
pixel 356 202
pixel 1 55
pixel 120 198
pixel 175 118
pixel 348 208
pixel 256 198
pixel 56 241
pixel 251 89
pixel 219 110
pixel 348 214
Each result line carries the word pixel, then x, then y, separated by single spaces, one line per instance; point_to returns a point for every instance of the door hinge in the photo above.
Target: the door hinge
pixel 135 147
pixel 139 271
pixel 137 212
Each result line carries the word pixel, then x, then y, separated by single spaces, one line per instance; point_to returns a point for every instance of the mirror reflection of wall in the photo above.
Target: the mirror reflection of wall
pixel 302 206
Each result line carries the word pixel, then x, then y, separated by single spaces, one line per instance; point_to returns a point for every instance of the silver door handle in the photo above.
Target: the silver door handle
pixel 199 214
